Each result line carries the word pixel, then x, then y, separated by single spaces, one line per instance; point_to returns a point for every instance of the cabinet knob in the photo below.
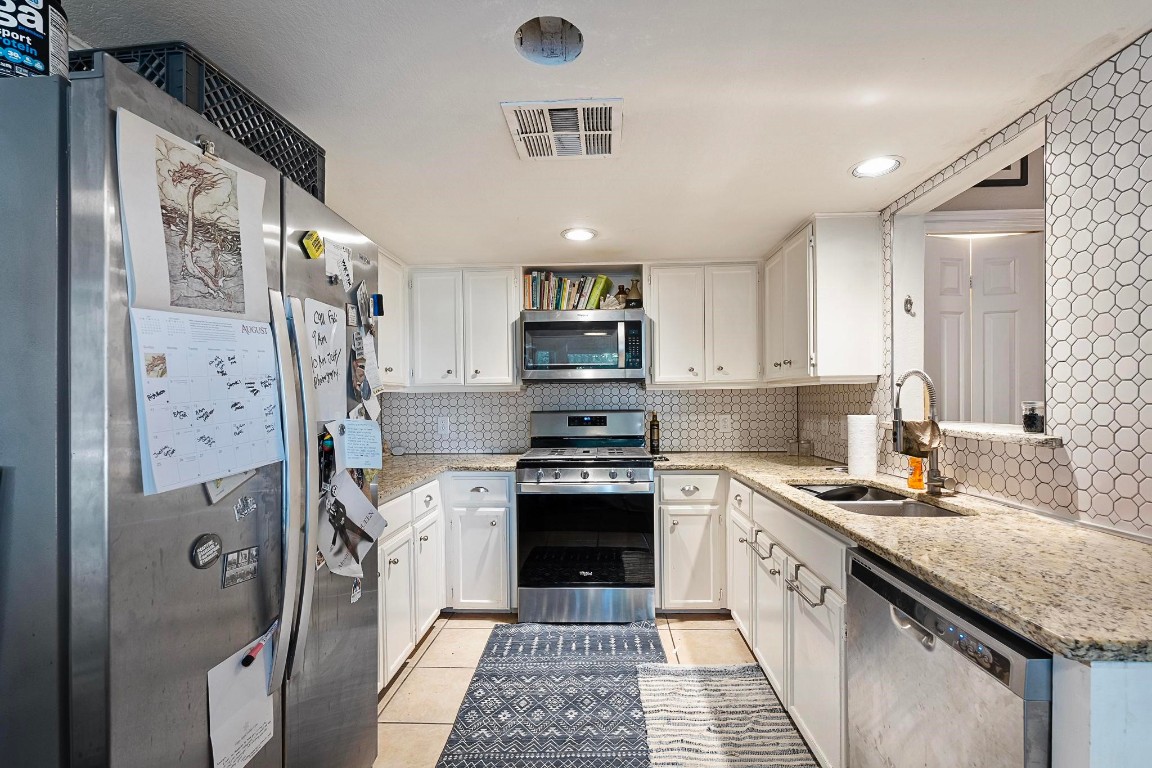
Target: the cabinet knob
pixel 719 367
pixel 775 365
pixel 423 538
pixel 393 561
pixel 387 370
pixel 743 539
pixel 449 371
pixel 476 372
pixel 675 522
pixel 493 523
pixel 774 571
pixel 788 363
pixel 738 499
pixel 428 499
pixel 691 370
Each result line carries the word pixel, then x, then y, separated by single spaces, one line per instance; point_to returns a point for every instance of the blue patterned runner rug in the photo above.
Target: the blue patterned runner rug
pixel 562 696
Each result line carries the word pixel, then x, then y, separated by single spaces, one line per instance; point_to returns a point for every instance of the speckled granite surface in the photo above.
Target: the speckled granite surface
pixel 1081 593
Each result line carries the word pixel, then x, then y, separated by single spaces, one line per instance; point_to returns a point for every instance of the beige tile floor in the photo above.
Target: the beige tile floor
pixel 418 708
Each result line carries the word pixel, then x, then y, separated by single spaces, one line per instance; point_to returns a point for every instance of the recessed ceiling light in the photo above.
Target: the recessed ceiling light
pixel 579 233
pixel 876 166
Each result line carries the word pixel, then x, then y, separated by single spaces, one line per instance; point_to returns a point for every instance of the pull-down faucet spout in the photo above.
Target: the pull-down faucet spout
pixel 937 484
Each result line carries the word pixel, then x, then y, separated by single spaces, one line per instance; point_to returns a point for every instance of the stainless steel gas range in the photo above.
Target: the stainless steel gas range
pixel 586 525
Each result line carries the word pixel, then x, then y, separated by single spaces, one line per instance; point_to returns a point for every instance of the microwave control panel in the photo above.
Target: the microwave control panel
pixel 633 345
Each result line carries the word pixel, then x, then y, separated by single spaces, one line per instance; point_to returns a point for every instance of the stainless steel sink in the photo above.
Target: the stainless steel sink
pixel 904 508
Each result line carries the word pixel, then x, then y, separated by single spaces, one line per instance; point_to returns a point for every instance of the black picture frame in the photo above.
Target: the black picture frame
pixel 1007 178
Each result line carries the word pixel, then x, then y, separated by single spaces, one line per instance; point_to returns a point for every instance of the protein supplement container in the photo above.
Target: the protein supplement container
pixel 33 38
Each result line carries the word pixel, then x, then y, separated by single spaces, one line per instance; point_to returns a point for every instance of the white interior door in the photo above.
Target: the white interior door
pixel 797 307
pixel 947 321
pixel 489 323
pixel 731 322
pixel 437 325
pixel 678 325
pixel 1007 325
pixel 392 326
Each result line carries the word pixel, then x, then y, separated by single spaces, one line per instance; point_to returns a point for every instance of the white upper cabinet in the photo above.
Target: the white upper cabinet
pixel 823 292
pixel 437 319
pixel 464 327
pixel 706 324
pixel 731 323
pixel 677 325
pixel 392 326
pixel 490 317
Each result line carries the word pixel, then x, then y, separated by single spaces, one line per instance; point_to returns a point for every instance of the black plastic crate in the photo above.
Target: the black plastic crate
pixel 184 73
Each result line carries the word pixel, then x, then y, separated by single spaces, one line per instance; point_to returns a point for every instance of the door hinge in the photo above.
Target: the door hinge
pixel 721 594
pixel 969 281
pixel 409 284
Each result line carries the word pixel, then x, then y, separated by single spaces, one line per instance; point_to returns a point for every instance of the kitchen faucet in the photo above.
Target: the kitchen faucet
pixel 937 484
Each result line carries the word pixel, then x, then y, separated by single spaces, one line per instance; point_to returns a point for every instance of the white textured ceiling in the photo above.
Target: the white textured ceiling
pixel 740 118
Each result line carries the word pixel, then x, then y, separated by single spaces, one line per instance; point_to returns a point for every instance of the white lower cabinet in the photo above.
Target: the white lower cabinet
pixel 816 660
pixel 740 572
pixel 693 561
pixel 397 631
pixel 429 555
pixel 769 630
pixel 478 558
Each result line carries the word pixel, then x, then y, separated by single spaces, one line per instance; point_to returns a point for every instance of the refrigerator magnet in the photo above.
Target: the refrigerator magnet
pixel 240 566
pixel 206 551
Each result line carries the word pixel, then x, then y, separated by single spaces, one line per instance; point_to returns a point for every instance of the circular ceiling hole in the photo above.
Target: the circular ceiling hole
pixel 549 40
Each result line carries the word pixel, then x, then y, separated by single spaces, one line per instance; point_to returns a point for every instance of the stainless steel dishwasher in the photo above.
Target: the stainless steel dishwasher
pixel 932 684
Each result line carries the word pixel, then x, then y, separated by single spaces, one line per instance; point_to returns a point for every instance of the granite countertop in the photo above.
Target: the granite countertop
pixel 1078 592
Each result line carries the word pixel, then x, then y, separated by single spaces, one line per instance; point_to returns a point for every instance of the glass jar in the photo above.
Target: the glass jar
pixel 1032 416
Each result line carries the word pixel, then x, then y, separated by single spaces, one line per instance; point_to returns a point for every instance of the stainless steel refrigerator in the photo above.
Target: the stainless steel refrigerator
pixel 107 631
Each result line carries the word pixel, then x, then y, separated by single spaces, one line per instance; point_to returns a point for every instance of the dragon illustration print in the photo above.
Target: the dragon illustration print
pixel 200 212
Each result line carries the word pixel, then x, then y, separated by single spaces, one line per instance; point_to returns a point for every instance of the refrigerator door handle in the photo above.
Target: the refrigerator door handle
pixel 311 481
pixel 293 511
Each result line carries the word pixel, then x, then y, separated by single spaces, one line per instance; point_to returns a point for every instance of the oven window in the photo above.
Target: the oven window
pixel 571 345
pixel 585 540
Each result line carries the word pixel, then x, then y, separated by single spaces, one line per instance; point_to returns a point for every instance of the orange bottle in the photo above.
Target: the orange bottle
pixel 916 479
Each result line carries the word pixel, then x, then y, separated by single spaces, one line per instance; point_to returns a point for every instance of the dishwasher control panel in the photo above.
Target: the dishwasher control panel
pixel 971 646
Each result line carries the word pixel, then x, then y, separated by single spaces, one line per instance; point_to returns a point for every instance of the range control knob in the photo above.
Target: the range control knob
pixel 584 474
pixel 629 474
pixel 539 475
pixel 556 474
pixel 612 474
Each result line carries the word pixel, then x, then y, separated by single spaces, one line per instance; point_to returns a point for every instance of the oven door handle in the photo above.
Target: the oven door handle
pixel 584 488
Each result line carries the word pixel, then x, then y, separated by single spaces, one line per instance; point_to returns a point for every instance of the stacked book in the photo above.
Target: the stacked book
pixel 547 290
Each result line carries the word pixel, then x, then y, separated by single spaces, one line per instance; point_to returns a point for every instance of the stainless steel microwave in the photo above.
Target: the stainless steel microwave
pixel 593 344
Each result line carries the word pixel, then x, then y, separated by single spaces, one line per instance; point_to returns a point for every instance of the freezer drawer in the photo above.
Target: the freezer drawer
pixel 931 686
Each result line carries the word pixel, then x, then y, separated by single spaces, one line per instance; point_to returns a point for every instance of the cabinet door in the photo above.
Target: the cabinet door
pixel 397 635
pixel 693 556
pixel 774 318
pixel 490 317
pixel 740 573
pixel 678 325
pixel 479 558
pixel 437 323
pixel 816 666
pixel 732 323
pixel 797 295
pixel 392 326
pixel 429 547
pixel 769 596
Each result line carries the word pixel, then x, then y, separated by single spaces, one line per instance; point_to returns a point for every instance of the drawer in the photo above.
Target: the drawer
pixel 694 488
pixel 823 554
pixel 397 513
pixel 477 490
pixel 739 498
pixel 426 499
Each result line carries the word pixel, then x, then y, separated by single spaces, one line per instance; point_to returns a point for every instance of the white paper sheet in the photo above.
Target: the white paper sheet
pixel 207 398
pixel 338 261
pixel 357 444
pixel 372 405
pixel 328 345
pixel 372 366
pixel 193 226
pixel 240 711
pixel 360 511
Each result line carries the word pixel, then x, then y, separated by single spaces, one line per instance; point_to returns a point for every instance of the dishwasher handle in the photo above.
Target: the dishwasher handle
pixel 910 626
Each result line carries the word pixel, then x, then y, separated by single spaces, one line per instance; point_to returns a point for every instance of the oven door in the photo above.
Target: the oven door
pixel 586 557
pixel 594 344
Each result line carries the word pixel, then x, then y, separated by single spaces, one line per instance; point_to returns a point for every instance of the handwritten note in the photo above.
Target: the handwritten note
pixel 207 398
pixel 357 443
pixel 240 710
pixel 338 261
pixel 327 346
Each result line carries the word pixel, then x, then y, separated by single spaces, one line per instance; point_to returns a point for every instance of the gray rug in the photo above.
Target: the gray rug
pixel 562 696
pixel 717 717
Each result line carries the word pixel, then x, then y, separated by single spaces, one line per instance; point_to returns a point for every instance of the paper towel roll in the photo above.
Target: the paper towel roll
pixel 862 446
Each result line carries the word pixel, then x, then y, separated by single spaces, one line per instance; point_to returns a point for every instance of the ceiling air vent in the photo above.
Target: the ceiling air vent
pixel 586 128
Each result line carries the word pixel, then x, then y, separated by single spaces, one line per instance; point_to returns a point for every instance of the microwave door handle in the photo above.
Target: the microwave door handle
pixel 293 504
pixel 621 337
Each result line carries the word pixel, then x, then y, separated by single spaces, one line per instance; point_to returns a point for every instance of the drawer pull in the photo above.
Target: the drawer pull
pixel 689 489
pixel 423 538
pixel 479 489
pixel 756 546
pixel 393 561
pixel 428 499
pixel 794 586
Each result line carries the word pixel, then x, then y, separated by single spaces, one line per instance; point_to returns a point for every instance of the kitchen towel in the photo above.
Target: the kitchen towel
pixel 862 446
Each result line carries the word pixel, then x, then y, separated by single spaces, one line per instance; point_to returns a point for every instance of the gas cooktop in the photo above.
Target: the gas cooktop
pixel 610 453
